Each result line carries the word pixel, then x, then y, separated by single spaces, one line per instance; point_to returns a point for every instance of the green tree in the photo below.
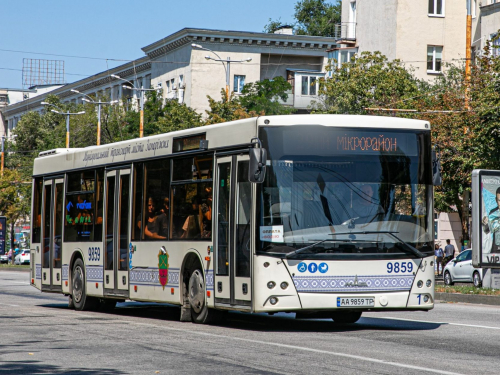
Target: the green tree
pixel 317 17
pixel 14 199
pixel 369 80
pixel 263 97
pixel 273 25
pixel 226 110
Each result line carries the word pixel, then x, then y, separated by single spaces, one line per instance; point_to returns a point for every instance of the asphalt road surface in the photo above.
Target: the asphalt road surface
pixel 39 334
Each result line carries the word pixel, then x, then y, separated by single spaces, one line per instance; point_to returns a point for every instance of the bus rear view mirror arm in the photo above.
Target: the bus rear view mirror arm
pixel 258 157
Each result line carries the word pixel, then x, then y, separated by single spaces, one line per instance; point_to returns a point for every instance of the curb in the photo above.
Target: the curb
pixel 13 269
pixel 467 298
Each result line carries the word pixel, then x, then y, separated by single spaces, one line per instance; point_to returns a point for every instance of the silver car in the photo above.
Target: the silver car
pixel 4 258
pixel 461 270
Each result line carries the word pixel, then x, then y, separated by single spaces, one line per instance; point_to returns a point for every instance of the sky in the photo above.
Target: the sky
pixel 93 31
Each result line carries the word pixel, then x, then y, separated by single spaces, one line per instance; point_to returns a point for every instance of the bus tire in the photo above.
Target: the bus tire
pixel 347 317
pixel 81 301
pixel 447 279
pixel 200 313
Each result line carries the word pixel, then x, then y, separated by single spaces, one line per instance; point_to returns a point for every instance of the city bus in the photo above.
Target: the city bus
pixel 317 215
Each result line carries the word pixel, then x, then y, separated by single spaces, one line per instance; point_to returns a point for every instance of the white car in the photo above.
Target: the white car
pixel 461 270
pixel 23 257
pixel 4 258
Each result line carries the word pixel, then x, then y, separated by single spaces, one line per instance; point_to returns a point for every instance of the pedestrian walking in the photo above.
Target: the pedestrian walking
pixel 439 253
pixel 449 252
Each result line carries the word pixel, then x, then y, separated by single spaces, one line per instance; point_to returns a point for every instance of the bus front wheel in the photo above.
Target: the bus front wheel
pixel 80 299
pixel 346 317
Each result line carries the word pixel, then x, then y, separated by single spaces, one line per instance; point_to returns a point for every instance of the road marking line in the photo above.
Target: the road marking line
pixel 428 321
pixel 351 356
pixel 6 304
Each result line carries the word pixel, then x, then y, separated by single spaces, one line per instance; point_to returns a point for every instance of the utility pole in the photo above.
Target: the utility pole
pixel 468 54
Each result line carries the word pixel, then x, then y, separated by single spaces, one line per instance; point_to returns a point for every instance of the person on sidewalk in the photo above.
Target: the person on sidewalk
pixel 438 252
pixel 449 252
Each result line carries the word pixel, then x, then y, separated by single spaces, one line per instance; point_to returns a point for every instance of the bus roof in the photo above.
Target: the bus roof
pixel 224 135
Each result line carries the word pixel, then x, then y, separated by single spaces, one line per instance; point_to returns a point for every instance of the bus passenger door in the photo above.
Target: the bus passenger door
pixel 233 242
pixel 52 224
pixel 116 238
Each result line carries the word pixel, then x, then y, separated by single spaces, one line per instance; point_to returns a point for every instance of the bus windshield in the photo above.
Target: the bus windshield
pixel 337 193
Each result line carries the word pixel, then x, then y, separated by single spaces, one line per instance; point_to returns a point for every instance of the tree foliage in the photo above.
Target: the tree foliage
pixel 263 97
pixel 369 80
pixel 312 17
pixel 226 110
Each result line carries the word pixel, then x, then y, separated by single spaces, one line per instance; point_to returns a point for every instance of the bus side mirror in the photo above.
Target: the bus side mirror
pixel 257 167
pixel 436 168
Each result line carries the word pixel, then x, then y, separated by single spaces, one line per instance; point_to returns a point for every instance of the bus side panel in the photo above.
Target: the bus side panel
pixel 36 266
pixel 93 259
pixel 156 277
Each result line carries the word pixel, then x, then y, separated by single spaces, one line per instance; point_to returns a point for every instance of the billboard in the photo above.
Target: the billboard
pixel 3 232
pixel 486 218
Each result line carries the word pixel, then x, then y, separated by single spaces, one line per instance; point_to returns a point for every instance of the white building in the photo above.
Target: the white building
pixel 423 34
pixel 184 73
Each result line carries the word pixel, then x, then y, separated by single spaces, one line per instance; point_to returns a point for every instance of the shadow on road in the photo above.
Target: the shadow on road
pixel 283 322
pixel 38 368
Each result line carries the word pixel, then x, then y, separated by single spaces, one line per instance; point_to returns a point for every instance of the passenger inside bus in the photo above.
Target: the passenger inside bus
pixel 192 225
pixel 153 226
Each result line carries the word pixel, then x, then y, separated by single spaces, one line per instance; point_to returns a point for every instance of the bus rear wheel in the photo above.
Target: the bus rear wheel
pixel 346 317
pixel 80 299
pixel 200 313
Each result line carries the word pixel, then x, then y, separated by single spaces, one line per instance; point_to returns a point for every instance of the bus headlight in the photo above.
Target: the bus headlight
pixel 420 283
pixel 271 284
pixel 284 285
pixel 426 298
pixel 428 283
pixel 273 300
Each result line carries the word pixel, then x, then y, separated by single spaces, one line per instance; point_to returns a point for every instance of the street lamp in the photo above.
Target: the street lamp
pixel 141 99
pixel 99 103
pixel 67 114
pixel 3 144
pixel 227 62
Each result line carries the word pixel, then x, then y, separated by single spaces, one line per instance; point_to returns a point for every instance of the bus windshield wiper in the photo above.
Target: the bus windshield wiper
pixel 406 245
pixel 302 249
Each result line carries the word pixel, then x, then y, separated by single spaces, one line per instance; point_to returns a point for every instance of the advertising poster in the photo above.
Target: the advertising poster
pixel 488 220
pixel 3 233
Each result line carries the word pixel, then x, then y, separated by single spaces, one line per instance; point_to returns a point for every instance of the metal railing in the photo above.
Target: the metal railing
pixel 345 31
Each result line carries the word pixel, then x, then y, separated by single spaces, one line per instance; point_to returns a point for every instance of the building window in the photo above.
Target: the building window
pixel 473 10
pixel 168 86
pixel 434 58
pixel 239 82
pixel 436 8
pixel 172 84
pixel 181 81
pixel 495 45
pixel 309 85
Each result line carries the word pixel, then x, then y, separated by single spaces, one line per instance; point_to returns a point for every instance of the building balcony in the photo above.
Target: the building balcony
pixel 345 33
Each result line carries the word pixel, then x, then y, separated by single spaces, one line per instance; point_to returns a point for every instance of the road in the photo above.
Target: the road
pixel 39 334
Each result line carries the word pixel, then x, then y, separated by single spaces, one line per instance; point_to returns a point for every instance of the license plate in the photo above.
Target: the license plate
pixel 355 301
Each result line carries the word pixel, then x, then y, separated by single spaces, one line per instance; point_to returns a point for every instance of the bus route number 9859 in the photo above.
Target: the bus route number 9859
pixel 398 267
pixel 94 253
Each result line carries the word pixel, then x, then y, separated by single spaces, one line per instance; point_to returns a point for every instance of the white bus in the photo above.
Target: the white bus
pixel 320 215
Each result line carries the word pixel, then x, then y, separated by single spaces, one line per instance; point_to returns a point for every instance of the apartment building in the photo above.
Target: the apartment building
pixel 423 34
pixel 188 74
pixel 485 25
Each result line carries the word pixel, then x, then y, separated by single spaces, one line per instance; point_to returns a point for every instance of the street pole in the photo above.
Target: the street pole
pixel 99 103
pixel 67 129
pixel 468 54
pixel 228 76
pixel 141 123
pixel 225 63
pixel 3 141
pixel 98 123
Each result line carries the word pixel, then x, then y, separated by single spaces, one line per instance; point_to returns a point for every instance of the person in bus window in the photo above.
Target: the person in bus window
pixel 192 225
pixel 152 227
pixel 163 217
pixel 206 214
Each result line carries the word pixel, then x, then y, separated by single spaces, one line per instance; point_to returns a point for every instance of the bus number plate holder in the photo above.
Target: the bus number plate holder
pixel 355 302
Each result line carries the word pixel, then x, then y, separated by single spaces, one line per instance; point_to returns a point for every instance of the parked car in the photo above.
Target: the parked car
pixel 4 258
pixel 460 269
pixel 23 257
